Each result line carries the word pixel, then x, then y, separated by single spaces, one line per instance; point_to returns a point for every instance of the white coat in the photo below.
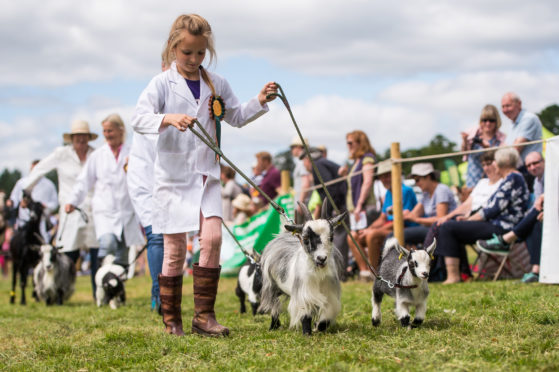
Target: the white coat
pixel 112 210
pixel 140 175
pixel 182 159
pixel 73 232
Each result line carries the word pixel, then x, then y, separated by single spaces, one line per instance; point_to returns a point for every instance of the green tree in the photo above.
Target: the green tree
pixel 550 118
pixel 8 179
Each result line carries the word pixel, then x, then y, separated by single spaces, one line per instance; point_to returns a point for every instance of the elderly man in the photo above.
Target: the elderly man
pixel 529 228
pixel 526 127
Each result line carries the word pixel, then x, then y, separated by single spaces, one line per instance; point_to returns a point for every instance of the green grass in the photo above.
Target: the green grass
pixel 501 326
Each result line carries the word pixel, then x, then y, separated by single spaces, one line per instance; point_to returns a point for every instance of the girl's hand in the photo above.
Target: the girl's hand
pixel 269 88
pixel 179 121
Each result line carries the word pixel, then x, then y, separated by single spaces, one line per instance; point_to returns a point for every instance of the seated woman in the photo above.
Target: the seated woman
pixel 504 209
pixel 480 194
pixel 436 201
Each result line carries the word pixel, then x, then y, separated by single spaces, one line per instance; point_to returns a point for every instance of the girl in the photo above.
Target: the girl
pixel 187 191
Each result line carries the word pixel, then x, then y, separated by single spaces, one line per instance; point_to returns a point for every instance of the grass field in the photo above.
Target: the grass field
pixel 503 326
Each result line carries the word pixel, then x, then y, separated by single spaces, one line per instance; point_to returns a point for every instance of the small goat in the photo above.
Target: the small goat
pixel 24 247
pixel 409 278
pixel 54 276
pixel 109 281
pixel 309 273
pixel 249 284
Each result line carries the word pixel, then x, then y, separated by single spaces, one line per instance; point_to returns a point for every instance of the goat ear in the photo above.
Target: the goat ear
pixel 306 213
pixel 431 249
pixel 338 219
pixel 294 228
pixel 402 250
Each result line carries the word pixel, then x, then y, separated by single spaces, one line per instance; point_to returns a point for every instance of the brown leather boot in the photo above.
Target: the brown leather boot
pixel 170 292
pixel 205 290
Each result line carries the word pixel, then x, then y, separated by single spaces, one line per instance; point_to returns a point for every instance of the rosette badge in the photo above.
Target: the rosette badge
pixel 217 112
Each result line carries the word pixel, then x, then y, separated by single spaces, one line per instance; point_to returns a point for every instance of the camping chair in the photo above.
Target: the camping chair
pixel 512 265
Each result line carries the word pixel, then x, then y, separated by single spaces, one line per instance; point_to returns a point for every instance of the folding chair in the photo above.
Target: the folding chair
pixel 512 265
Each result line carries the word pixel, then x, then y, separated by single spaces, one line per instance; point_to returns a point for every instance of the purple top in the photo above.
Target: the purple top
pixel 194 86
pixel 357 180
pixel 270 182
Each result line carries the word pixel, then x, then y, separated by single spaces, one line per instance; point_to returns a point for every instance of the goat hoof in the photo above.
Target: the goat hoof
pixel 323 325
pixel 405 321
pixel 376 322
pixel 416 323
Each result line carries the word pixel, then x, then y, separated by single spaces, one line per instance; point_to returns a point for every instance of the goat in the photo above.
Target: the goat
pixel 308 273
pixel 408 280
pixel 249 284
pixel 24 247
pixel 109 281
pixel 54 276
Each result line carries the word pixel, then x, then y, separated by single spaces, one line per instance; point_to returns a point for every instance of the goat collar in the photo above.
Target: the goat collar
pixel 399 281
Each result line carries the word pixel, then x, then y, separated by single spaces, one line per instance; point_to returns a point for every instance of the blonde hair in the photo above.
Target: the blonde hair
pixel 363 144
pixel 116 120
pixel 491 112
pixel 195 25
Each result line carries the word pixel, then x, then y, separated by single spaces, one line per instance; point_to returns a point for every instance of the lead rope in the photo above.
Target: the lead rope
pixel 281 96
pixel 207 139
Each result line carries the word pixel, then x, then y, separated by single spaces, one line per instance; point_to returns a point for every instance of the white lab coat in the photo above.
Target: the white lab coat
pixel 140 175
pixel 112 210
pixel 182 159
pixel 73 232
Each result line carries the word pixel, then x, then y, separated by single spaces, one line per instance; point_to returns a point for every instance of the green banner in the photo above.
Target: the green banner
pixel 256 233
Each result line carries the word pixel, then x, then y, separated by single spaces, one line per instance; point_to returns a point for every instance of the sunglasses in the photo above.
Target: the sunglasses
pixel 489 120
pixel 528 165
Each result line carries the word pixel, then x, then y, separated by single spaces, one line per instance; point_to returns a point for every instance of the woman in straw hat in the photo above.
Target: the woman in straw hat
pixel 73 233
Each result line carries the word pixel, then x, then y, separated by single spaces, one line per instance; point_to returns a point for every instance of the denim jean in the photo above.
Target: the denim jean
pixel 155 260
pixel 109 244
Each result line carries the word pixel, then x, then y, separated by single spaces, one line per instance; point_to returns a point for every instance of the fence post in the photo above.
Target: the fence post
pixel 397 193
pixel 285 182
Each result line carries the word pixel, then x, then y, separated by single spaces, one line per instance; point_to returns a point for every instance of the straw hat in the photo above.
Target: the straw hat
pixel 384 167
pixel 242 202
pixel 296 141
pixel 79 127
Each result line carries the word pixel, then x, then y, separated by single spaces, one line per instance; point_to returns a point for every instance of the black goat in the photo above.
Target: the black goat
pixel 24 247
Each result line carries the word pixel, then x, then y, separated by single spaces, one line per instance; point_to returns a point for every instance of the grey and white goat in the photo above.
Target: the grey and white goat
pixel 407 272
pixel 54 276
pixel 308 273
pixel 249 284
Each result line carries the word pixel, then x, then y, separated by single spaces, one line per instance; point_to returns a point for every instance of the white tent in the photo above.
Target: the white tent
pixel 549 264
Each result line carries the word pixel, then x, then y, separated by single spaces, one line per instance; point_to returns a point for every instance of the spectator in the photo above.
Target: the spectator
pixel 504 209
pixel 437 200
pixel 360 200
pixel 243 209
pixel 529 228
pixel 74 233
pixel 301 176
pixel 271 178
pixel 328 170
pixel 485 135
pixel 229 191
pixel 526 127
pixel 44 191
pixel 374 235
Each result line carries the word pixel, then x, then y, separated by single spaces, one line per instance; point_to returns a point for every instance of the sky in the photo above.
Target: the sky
pixel 401 71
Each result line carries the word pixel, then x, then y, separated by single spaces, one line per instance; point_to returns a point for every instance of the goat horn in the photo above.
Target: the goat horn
pixel 39 238
pixel 306 213
pixel 324 210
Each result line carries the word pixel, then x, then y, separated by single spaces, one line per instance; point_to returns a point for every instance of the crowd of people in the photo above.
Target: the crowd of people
pixel 168 185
